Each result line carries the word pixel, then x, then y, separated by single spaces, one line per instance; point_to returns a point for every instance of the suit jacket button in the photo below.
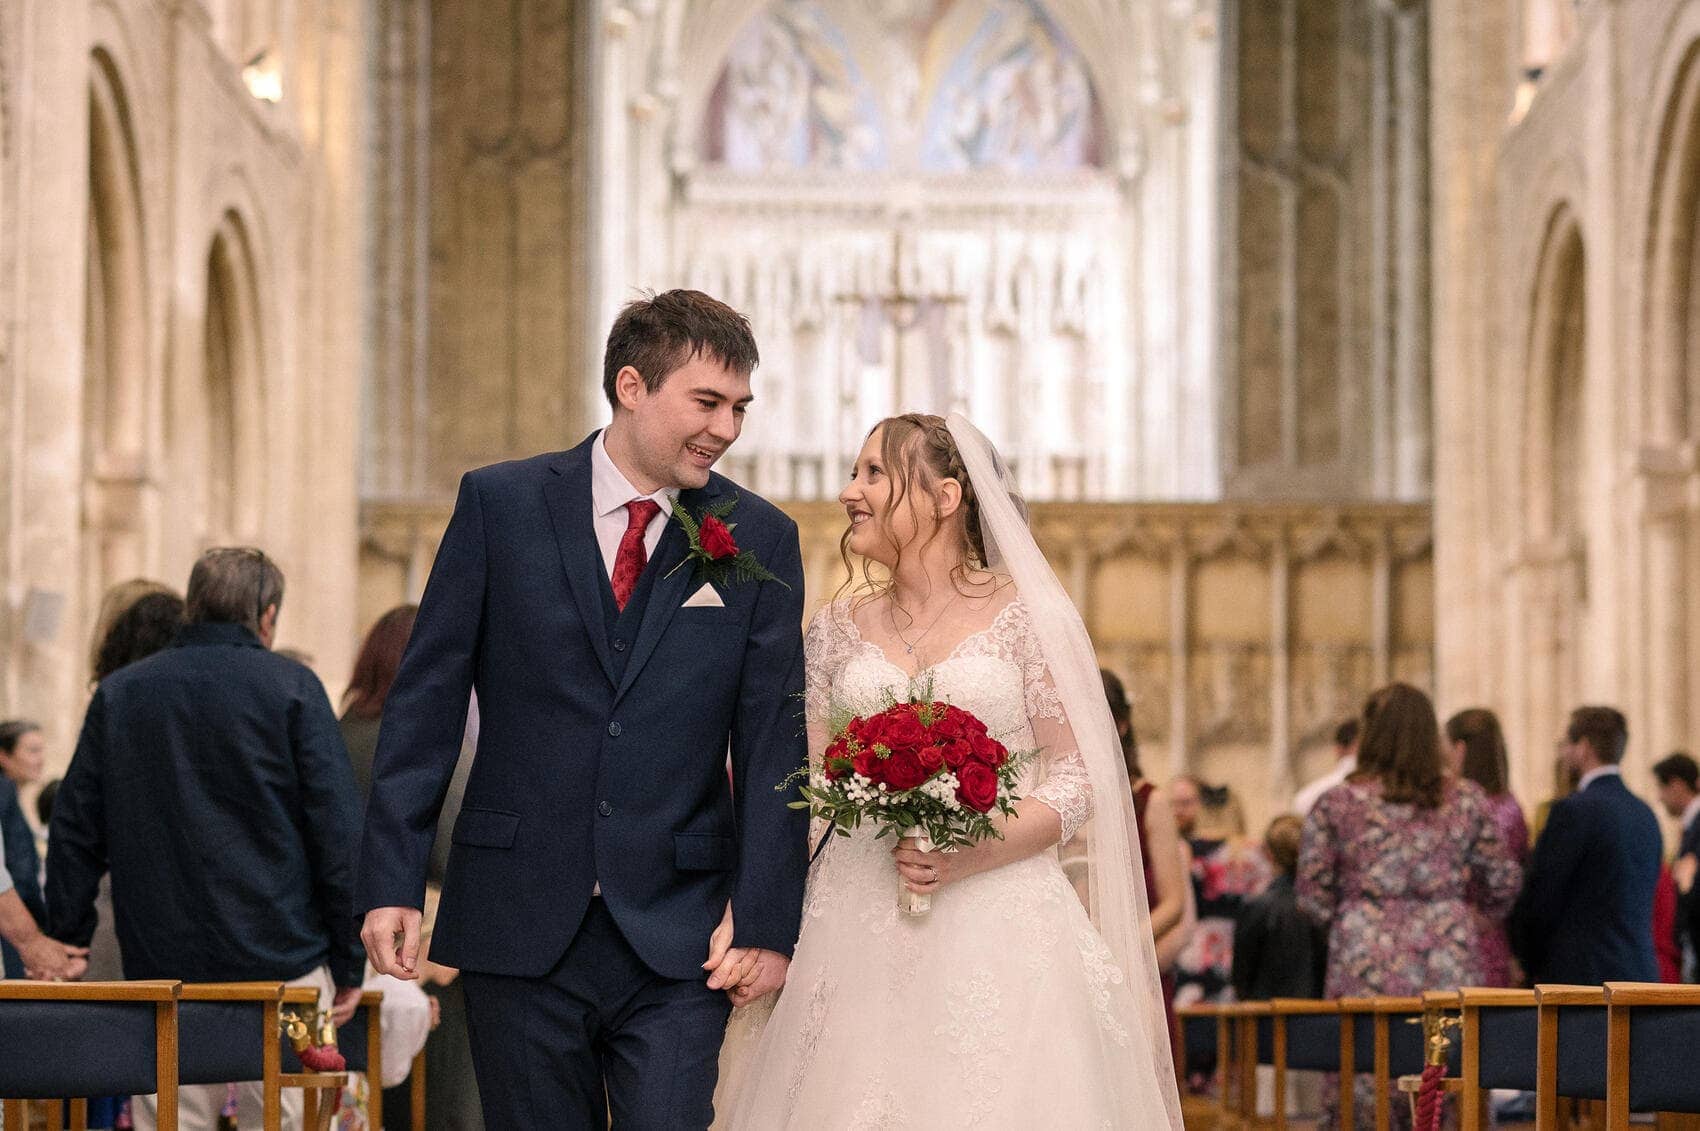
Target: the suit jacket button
pixel 619 645
pixel 604 808
pixel 614 730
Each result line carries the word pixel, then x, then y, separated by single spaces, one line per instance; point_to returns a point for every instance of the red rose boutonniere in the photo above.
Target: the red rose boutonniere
pixel 713 548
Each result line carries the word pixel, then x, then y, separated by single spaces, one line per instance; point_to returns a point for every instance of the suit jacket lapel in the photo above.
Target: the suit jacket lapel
pixel 567 493
pixel 670 587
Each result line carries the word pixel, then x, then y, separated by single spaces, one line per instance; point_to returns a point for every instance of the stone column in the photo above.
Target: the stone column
pixel 1469 97
pixel 43 417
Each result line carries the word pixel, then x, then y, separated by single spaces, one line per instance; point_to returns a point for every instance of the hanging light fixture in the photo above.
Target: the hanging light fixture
pixel 263 76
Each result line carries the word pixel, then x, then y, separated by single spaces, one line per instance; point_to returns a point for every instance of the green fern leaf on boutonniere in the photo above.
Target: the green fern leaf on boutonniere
pixel 714 549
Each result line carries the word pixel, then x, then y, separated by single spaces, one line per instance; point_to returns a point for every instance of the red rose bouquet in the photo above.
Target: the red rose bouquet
pixel 922 770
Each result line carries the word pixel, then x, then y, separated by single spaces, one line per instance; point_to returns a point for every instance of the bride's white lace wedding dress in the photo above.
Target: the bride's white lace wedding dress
pixel 1000 1008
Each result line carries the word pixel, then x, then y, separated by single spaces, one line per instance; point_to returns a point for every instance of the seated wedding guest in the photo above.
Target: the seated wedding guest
pixel 1475 747
pixel 1398 860
pixel 1585 915
pixel 1278 950
pixel 1227 869
pixel 363 707
pixel 211 781
pixel 23 865
pixel 1345 763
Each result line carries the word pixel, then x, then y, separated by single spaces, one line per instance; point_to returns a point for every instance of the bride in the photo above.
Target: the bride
pixel 1007 1005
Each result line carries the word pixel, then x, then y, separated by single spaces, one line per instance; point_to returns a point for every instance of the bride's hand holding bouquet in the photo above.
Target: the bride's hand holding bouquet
pixel 924 771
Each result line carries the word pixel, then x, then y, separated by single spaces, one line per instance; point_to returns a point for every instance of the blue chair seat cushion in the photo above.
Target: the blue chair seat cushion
pixel 54 1049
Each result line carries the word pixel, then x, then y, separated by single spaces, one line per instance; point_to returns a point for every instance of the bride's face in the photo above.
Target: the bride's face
pixel 877 529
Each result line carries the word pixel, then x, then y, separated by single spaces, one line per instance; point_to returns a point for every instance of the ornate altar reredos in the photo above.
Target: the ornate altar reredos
pixel 935 205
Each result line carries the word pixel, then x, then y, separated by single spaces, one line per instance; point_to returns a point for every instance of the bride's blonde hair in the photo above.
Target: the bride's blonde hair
pixel 919 452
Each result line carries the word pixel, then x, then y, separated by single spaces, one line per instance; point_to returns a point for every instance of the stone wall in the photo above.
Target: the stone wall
pixel 180 351
pixel 1567 493
pixel 1325 288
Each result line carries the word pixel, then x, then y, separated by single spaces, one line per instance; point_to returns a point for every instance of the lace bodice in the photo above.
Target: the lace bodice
pixel 997 673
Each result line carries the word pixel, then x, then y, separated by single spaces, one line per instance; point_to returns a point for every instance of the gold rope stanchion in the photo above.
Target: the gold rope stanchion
pixel 319 1055
pixel 1429 1089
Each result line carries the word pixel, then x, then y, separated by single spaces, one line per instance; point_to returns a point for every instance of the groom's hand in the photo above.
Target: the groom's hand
pixel 745 973
pixel 719 946
pixel 391 935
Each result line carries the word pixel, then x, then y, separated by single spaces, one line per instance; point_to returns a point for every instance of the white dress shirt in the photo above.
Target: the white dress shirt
pixel 1306 798
pixel 610 491
pixel 1690 812
pixel 1596 774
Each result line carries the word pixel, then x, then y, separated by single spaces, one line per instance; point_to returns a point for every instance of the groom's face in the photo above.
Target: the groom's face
pixel 678 432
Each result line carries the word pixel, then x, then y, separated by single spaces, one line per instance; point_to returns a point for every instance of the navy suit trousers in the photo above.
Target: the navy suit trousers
pixel 601 1035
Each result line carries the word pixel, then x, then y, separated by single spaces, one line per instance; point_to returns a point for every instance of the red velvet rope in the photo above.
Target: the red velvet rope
pixel 1429 1097
pixel 322 1058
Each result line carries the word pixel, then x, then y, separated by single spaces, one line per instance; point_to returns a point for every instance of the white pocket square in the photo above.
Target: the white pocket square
pixel 704 598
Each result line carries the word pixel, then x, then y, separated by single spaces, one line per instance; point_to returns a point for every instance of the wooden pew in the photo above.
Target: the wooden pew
pixel 87 1039
pixel 1571 1049
pixel 416 1080
pixel 362 1044
pixel 1251 1019
pixel 228 1033
pixel 1499 1048
pixel 1194 1020
pixel 1382 1044
pixel 321 1091
pixel 1305 1035
pixel 1664 1022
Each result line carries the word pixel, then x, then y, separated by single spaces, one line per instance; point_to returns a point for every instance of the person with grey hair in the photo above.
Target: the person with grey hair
pixel 212 782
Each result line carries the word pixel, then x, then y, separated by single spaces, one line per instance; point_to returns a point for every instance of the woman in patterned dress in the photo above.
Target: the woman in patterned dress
pixel 1476 752
pixel 1398 861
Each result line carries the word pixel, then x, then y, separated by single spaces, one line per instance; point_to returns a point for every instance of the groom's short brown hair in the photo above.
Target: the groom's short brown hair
pixel 657 334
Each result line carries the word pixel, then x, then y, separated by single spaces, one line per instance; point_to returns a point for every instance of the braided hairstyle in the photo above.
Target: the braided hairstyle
pixel 918 449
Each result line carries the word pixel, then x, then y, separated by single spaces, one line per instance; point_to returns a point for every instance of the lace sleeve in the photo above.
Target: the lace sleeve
pixel 819 661
pixel 1063 782
pixel 824 645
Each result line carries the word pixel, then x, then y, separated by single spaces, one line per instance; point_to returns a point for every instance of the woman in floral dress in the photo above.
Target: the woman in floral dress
pixel 1476 752
pixel 1396 862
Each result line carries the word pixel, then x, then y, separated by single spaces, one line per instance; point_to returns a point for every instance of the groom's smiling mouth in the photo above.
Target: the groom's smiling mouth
pixel 704 456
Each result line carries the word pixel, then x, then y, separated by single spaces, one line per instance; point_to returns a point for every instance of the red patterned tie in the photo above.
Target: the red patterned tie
pixel 632 557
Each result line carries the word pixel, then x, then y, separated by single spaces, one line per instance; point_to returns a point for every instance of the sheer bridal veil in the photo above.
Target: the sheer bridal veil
pixel 1116 896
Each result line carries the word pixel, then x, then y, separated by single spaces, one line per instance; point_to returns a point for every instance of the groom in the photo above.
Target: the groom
pixel 603 853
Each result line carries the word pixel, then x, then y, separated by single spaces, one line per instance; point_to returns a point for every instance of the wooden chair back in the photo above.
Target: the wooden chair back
pixel 1498 1048
pixel 80 1039
pixel 1652 1040
pixel 1571 1049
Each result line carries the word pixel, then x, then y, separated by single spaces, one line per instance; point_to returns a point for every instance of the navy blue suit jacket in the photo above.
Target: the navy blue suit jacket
pixel 602 748
pixel 212 781
pixel 1585 915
